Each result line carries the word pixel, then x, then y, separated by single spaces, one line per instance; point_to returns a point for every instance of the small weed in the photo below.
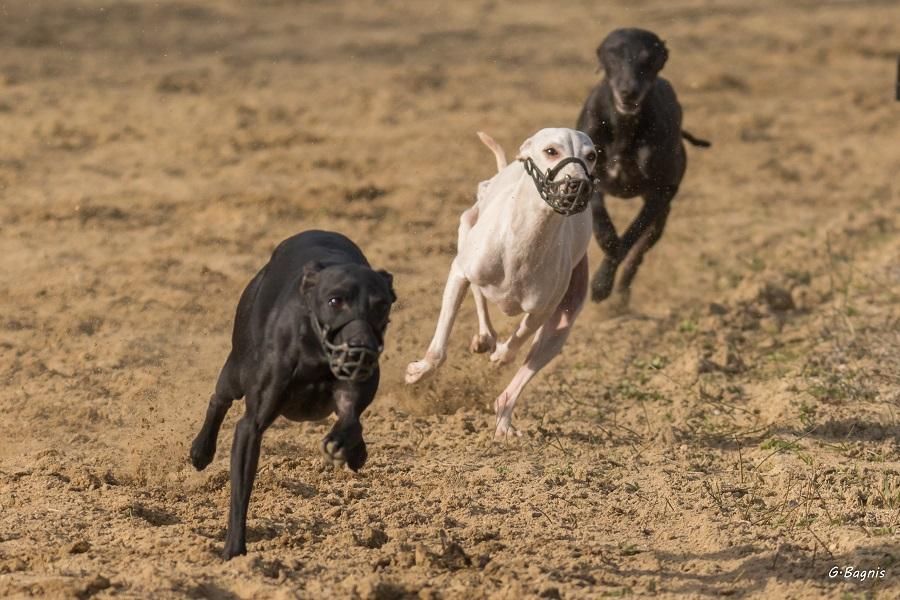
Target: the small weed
pixel 807 414
pixel 780 445
pixel 618 593
pixel 629 550
pixel 634 390
pixel 687 326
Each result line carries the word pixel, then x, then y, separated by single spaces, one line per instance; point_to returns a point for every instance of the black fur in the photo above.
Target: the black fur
pixel 634 119
pixel 278 364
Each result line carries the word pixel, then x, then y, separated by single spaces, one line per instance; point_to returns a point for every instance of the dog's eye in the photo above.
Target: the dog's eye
pixel 550 151
pixel 591 157
pixel 336 302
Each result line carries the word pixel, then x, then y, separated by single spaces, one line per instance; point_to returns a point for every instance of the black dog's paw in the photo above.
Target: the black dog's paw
pixel 601 287
pixel 341 447
pixel 202 453
pixel 233 548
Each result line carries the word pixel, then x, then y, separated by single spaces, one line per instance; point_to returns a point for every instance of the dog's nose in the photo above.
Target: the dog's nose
pixel 630 96
pixel 572 185
pixel 359 334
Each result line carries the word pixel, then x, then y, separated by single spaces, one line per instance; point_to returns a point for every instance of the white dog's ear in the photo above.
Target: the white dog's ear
pixel 524 150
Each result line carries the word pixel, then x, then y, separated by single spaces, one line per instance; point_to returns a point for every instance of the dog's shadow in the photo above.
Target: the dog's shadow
pixel 211 591
pixel 616 310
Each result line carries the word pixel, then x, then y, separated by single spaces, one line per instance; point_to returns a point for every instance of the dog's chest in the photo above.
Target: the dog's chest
pixel 520 273
pixel 619 170
pixel 308 401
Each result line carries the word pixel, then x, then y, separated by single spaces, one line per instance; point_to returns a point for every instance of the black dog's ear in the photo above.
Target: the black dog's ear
pixel 390 281
pixel 662 55
pixel 599 58
pixel 310 275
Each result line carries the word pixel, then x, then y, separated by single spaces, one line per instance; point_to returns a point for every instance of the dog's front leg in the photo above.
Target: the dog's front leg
pixel 608 240
pixel 486 338
pixel 262 409
pixel 506 351
pixel 641 235
pixel 244 460
pixel 454 292
pixel 344 444
pixel 547 344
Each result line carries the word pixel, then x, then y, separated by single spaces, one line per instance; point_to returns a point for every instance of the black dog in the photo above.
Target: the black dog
pixel 307 337
pixel 634 119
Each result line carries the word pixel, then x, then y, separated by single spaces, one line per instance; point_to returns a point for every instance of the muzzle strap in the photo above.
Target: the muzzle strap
pixel 568 196
pixel 347 363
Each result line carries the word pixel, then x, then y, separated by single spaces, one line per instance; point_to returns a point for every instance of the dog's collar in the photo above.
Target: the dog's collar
pixel 564 201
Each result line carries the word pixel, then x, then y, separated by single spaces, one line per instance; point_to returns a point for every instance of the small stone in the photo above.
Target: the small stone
pixel 776 297
pixel 405 559
pixel 454 557
pixel 804 297
pixel 93 586
pixel 422 557
pixel 771 324
pixel 714 309
pixel 770 343
pixel 79 547
pixel 373 537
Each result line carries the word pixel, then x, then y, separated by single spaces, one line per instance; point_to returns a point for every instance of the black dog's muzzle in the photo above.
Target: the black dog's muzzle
pixel 347 363
pixel 567 196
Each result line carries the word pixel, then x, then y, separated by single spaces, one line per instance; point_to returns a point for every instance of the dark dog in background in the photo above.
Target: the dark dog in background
pixel 634 119
pixel 307 337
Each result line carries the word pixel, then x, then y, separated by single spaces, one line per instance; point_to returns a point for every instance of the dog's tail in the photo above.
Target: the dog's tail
pixel 499 154
pixel 695 140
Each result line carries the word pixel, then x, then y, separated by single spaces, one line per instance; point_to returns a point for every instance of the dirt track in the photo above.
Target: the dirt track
pixel 735 433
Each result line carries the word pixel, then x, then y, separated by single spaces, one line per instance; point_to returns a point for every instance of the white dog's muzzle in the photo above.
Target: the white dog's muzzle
pixel 568 196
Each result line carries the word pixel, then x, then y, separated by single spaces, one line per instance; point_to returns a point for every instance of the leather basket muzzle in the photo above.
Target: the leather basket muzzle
pixel 567 196
pixel 347 362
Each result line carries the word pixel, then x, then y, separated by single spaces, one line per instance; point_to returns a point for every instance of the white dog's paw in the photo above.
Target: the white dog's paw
pixel 505 429
pixel 419 369
pixel 503 406
pixel 483 342
pixel 503 354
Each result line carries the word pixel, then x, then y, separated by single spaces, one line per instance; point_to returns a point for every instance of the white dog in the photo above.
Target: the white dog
pixel 523 246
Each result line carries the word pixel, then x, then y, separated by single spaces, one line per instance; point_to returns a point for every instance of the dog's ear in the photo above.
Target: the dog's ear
pixel 310 275
pixel 662 55
pixel 390 282
pixel 524 150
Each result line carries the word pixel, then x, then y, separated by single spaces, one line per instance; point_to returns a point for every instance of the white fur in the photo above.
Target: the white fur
pixel 517 253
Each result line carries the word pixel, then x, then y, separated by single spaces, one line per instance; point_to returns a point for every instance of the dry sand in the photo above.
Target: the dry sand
pixel 735 433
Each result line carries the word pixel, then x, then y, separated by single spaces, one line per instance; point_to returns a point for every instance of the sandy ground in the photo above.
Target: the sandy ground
pixel 734 434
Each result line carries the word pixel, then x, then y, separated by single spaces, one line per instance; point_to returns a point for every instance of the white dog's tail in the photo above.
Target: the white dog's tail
pixel 499 154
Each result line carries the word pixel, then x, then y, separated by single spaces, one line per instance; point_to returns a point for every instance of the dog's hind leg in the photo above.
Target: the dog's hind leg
pixel 454 292
pixel 227 391
pixel 642 234
pixel 547 344
pixel 486 338
pixel 506 351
